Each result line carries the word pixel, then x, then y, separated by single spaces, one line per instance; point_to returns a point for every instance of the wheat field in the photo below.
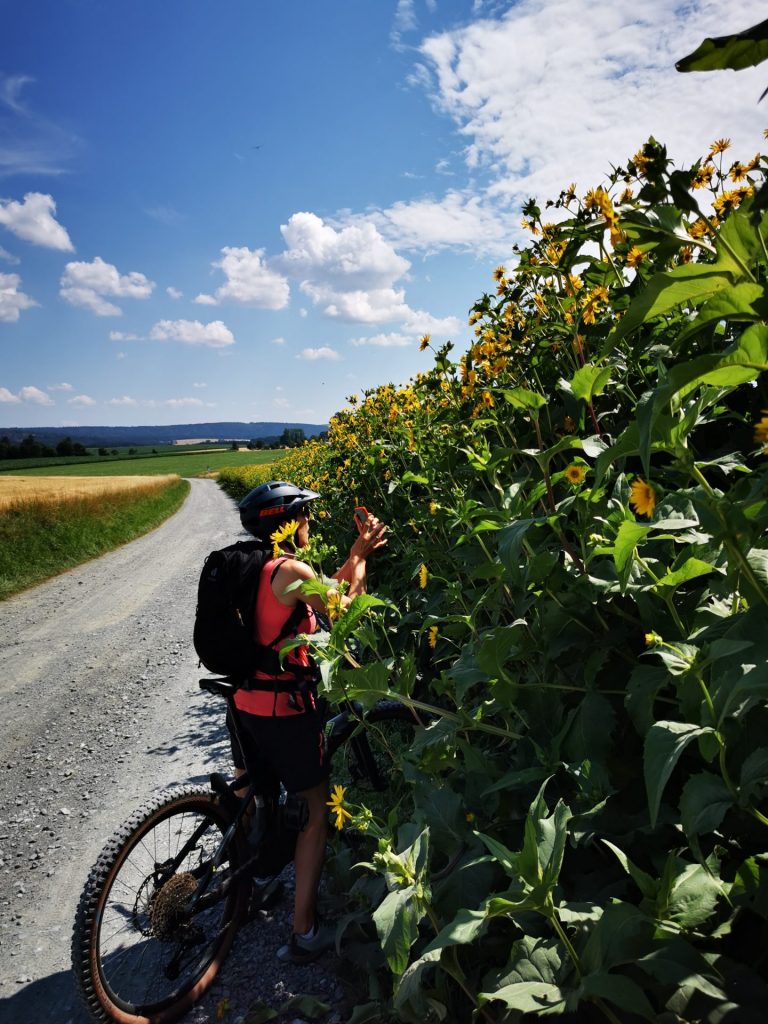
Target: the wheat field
pixel 19 489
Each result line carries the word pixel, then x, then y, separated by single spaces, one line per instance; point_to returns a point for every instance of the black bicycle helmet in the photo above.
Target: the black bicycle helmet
pixel 270 505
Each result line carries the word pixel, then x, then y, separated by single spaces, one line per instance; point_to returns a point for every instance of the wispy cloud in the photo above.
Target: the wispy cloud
pixel 82 400
pixel 8 257
pixel 29 143
pixel 9 397
pixel 61 387
pixel 174 292
pixel 165 214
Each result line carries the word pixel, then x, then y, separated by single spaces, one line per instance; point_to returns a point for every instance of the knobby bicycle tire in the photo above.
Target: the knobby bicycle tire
pixel 137 957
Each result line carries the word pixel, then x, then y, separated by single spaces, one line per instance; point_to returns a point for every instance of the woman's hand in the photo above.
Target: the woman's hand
pixel 371 538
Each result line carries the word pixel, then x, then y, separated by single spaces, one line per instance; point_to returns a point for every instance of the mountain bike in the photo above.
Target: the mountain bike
pixel 169 891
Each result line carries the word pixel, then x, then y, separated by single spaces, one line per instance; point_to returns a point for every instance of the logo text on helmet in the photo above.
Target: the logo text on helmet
pixel 278 510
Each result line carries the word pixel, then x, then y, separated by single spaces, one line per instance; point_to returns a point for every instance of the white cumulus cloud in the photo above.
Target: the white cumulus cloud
pixel 12 299
pixel 313 354
pixel 90 284
pixel 35 395
pixel 174 292
pixel 350 272
pixel 8 396
pixel 351 258
pixel 82 400
pixel 278 341
pixel 124 400
pixel 192 332
pixel 250 281
pixel 33 220
pixel 205 300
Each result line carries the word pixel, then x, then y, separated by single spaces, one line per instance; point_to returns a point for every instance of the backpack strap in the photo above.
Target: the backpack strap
pixel 268 659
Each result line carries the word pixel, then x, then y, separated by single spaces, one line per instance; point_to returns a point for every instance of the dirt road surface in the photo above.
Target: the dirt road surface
pixel 101 710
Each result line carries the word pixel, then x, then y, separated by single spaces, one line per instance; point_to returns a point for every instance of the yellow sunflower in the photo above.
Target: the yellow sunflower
pixel 432 636
pixel 281 534
pixel 336 804
pixel 575 474
pixel 642 497
pixel 423 576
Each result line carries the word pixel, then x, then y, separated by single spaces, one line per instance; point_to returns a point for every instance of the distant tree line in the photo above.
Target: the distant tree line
pixel 30 448
pixel 291 437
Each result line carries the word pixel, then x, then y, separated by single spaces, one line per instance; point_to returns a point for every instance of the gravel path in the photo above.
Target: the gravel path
pixel 100 709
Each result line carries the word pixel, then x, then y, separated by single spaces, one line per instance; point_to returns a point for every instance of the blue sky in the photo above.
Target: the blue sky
pixel 248 210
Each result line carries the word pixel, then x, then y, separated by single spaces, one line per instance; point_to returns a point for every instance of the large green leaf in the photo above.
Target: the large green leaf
pixel 689 894
pixel 677 963
pixel 590 735
pixel 704 803
pixel 532 961
pixel 620 936
pixel 644 684
pixel 525 400
pixel 685 286
pixel 397 923
pixel 410 988
pixel 463 929
pixel 627 539
pixel 621 991
pixel 737 51
pixel 746 301
pixel 664 743
pixel 528 997
pixel 647 885
pixel 590 380
pixel 689 570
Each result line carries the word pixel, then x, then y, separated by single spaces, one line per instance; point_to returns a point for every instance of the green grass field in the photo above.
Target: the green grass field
pixel 196 463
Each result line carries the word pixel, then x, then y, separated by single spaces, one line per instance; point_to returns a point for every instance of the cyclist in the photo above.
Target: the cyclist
pixel 277 713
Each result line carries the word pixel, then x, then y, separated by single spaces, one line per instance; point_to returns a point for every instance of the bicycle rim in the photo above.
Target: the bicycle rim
pixel 388 735
pixel 140 958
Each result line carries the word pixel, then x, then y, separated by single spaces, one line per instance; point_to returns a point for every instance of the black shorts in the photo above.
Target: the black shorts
pixel 290 747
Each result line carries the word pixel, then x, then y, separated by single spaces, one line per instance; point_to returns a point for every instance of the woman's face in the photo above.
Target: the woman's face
pixel 302 534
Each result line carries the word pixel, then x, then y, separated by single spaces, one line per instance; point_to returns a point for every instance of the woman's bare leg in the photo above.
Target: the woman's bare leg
pixel 309 857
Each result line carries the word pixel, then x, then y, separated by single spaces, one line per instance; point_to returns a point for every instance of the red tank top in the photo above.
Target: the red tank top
pixel 270 617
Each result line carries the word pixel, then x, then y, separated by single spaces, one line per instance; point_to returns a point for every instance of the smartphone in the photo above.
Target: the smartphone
pixel 361 517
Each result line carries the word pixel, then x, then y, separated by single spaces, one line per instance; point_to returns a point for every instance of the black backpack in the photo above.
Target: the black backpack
pixel 226 605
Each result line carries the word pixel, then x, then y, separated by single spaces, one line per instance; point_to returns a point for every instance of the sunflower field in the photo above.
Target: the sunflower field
pixel 574 601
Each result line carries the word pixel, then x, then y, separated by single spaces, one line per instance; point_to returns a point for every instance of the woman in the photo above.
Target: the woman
pixel 281 724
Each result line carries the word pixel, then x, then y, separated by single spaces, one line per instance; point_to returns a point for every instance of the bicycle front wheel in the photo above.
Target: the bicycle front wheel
pixel 139 955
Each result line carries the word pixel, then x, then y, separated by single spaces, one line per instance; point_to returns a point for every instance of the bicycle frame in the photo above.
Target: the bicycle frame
pixel 264 795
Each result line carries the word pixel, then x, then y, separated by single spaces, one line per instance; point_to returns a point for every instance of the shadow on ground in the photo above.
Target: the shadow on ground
pixel 52 999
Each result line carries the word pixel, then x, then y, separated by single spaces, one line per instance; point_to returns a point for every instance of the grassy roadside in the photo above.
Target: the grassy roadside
pixel 39 539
